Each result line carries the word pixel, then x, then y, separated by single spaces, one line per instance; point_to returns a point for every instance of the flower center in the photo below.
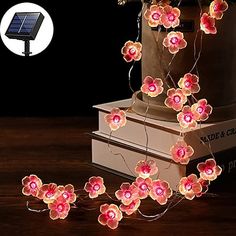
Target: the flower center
pixel 65 195
pixel 200 110
pixel 155 16
pixel 132 51
pixel 171 17
pixel 152 87
pixel 146 169
pixel 208 171
pixel 188 118
pixel 33 185
pixel 143 187
pixel 174 40
pixel 159 191
pixel 132 205
pixel 60 207
pixel 217 7
pixel 181 152
pixel 187 84
pixel 188 186
pixel 111 214
pixel 116 119
pixel 128 194
pixel 177 99
pixel 49 194
pixel 96 187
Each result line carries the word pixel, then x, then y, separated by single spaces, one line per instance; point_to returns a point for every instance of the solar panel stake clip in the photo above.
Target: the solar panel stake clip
pixel 27 48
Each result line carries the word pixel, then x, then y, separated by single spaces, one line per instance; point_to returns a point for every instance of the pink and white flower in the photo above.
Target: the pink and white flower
pixel 152 87
pixel 186 118
pixel 207 24
pixel 201 110
pixel 67 192
pixel 95 186
pixel 146 168
pixel 131 208
pixel 116 119
pixel 217 9
pixel 153 15
pixel 190 186
pixel 170 17
pixel 111 215
pixel 48 192
pixel 31 184
pixel 132 51
pixel 143 185
pixel 181 152
pixel 174 41
pixel 160 191
pixel 209 170
pixel 189 84
pixel 176 99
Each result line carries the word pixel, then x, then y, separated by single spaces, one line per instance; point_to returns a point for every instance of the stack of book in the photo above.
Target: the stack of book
pixel 120 150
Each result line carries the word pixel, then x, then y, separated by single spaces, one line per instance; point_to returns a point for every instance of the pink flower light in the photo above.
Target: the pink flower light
pixel 116 119
pixel 48 192
pixel 175 99
pixel 131 208
pixel 189 186
pixel 217 9
pixel 201 110
pixel 153 15
pixel 160 191
pixel 31 184
pixel 189 84
pixel 132 51
pixel 186 118
pixel 207 24
pixel 127 193
pixel 209 170
pixel 143 185
pixel 204 183
pixel 59 209
pixel 95 186
pixel 67 192
pixel 111 215
pixel 174 41
pixel 152 87
pixel 146 169
pixel 170 17
pixel 181 152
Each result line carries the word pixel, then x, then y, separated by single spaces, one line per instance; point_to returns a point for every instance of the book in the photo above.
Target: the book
pixel 162 135
pixel 120 157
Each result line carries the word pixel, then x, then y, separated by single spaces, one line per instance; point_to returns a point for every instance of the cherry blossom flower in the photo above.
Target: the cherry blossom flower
pixel 146 169
pixel 181 152
pixel 217 9
pixel 131 208
pixel 201 110
pixel 127 193
pixel 189 84
pixel 175 99
pixel 59 209
pixel 143 186
pixel 132 51
pixel 95 186
pixel 160 191
pixel 204 183
pixel 153 15
pixel 174 41
pixel 186 118
pixel 111 215
pixel 152 87
pixel 31 184
pixel 116 119
pixel 209 170
pixel 48 192
pixel 170 17
pixel 189 186
pixel 67 192
pixel 207 24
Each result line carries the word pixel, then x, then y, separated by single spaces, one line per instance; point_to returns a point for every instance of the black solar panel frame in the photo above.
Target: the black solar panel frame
pixel 26 36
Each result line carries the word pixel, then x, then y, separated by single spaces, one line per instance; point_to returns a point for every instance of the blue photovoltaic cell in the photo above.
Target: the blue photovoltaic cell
pixel 23 23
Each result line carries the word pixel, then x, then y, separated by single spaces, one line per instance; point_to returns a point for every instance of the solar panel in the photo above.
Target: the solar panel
pixel 25 25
